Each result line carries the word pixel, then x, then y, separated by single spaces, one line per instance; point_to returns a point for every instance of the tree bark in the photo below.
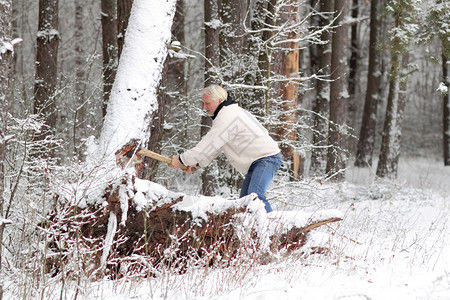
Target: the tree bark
pixel 123 14
pixel 46 65
pixel 109 48
pixel 446 111
pixel 232 42
pixel 232 38
pixel 139 69
pixel 322 102
pixel 367 134
pixel 390 144
pixel 266 11
pixel 172 80
pixel 337 136
pixel 353 68
pixel 209 181
pixel 289 15
pixel 79 126
pixel 6 62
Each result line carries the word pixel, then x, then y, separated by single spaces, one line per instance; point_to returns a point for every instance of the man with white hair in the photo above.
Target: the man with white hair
pixel 244 141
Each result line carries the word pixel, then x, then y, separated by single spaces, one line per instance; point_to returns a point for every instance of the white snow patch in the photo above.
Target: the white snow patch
pixel 112 228
pixel 149 194
pixel 442 89
pixel 4 221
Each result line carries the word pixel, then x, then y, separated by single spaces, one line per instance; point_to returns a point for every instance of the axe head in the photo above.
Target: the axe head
pixel 128 155
pixel 129 149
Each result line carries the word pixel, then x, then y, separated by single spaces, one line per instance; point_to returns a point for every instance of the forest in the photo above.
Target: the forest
pixel 344 87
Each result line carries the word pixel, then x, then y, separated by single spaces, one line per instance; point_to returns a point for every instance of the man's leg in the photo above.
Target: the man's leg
pixel 245 184
pixel 263 171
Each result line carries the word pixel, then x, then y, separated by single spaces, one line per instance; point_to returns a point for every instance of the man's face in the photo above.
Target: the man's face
pixel 209 105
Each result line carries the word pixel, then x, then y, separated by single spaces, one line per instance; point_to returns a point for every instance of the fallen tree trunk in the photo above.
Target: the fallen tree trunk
pixel 140 226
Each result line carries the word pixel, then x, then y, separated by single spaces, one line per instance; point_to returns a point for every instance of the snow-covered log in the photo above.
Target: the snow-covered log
pixel 142 225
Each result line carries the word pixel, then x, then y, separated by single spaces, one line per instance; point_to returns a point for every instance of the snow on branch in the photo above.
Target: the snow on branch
pixel 8 46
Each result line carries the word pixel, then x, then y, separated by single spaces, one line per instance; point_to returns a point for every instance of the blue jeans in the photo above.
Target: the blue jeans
pixel 259 176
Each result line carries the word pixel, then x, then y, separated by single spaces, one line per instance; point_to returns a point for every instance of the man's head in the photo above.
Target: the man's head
pixel 212 96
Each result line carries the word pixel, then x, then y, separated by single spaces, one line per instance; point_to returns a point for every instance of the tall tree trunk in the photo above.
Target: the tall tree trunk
pixel 261 18
pixel 176 74
pixel 79 126
pixel 232 39
pixel 266 55
pixel 172 80
pixel 337 135
pixel 134 92
pixel 123 14
pixel 209 181
pixel 446 111
pixel 156 126
pixel 46 65
pixel 392 133
pixel 232 42
pixel 109 48
pixel 289 15
pixel 367 134
pixel 322 101
pixel 353 68
pixel 6 62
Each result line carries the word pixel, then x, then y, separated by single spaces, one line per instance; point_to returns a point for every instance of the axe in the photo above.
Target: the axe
pixel 132 151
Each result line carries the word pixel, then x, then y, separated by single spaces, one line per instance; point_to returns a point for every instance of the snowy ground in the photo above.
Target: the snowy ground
pixel 394 243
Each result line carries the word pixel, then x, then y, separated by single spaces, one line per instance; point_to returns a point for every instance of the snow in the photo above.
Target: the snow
pixel 6 46
pixel 134 92
pixel 149 194
pixel 442 89
pixel 214 24
pixel 4 221
pixel 112 228
pixel 393 243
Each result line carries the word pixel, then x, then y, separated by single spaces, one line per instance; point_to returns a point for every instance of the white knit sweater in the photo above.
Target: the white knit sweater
pixel 238 134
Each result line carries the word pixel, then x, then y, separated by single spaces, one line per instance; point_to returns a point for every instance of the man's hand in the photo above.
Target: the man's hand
pixel 175 163
pixel 190 169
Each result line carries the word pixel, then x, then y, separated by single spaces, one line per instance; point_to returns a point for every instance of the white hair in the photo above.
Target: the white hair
pixel 216 92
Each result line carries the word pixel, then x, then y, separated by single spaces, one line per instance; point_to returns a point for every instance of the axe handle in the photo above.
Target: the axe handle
pixel 157 156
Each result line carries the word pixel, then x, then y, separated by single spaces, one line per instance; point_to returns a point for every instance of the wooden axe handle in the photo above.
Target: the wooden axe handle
pixel 157 156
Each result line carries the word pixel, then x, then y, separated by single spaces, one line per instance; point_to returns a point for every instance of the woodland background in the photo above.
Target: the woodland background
pixel 337 83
